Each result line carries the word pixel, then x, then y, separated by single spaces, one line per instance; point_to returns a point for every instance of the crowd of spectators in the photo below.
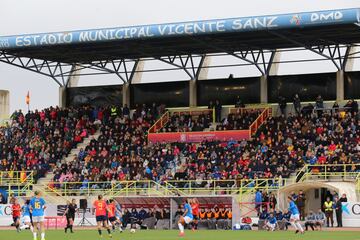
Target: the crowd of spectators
pixel 38 140
pixel 119 153
pixel 188 123
pixel 239 121
pixel 281 146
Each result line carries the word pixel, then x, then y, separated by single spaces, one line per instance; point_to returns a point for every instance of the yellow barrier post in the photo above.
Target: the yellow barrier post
pixel 190 188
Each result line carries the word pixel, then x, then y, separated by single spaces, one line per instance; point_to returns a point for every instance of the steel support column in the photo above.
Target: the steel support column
pixel 264 89
pixel 126 94
pixel 340 85
pixel 74 76
pixel 62 97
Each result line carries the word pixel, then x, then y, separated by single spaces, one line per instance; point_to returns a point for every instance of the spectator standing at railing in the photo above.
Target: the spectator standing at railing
pixel 335 107
pixel 239 103
pixel 354 106
pixel 297 104
pixel 126 111
pixel 211 105
pixel 218 109
pixel 282 105
pixel 319 105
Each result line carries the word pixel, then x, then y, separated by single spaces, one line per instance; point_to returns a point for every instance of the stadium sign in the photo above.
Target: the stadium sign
pixel 242 24
pixel 351 214
pixel 169 137
pixel 5 215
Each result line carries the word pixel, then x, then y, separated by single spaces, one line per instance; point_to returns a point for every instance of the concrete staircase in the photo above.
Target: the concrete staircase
pixel 42 182
pixel 74 152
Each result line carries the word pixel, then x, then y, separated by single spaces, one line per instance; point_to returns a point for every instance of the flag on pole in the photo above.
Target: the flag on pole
pixel 27 98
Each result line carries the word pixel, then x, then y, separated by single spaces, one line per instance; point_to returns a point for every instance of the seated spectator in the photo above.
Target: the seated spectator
pixel 320 219
pixel 210 218
pixel 188 123
pixel 142 214
pixel 310 221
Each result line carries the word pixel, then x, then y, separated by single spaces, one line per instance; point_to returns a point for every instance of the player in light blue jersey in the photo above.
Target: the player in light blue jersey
pixel 37 207
pixel 295 216
pixel 25 216
pixel 118 214
pixel 271 222
pixel 186 218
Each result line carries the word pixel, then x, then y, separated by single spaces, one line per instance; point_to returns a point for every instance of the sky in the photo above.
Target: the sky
pixel 35 16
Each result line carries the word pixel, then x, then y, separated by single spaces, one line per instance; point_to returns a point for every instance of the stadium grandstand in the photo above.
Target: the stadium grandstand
pixel 240 146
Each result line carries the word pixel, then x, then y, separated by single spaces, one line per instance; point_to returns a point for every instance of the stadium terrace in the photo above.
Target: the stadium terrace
pixel 268 152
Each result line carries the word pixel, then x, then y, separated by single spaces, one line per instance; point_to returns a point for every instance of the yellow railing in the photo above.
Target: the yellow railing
pixel 323 172
pixel 358 183
pixel 172 187
pixel 17 182
pixel 4 119
pixel 239 187
pixel 16 177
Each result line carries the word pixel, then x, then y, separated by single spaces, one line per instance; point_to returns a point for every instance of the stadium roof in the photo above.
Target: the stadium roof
pixel 235 36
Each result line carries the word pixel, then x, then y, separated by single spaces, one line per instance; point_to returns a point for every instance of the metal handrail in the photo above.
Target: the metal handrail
pixel 16 177
pixel 189 187
pixel 261 116
pixel 161 121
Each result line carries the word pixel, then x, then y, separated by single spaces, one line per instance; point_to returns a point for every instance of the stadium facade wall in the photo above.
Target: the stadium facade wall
pixel 174 94
pixel 226 90
pixel 265 89
pixel 308 86
pixel 97 96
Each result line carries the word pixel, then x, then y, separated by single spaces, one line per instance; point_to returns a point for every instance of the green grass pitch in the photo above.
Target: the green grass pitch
pixel 189 235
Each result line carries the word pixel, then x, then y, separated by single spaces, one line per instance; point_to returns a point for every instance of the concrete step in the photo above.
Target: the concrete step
pixel 48 178
pixel 74 152
pixel 50 197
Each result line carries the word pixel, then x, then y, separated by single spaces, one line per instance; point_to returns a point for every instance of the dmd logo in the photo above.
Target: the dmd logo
pixel 332 16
